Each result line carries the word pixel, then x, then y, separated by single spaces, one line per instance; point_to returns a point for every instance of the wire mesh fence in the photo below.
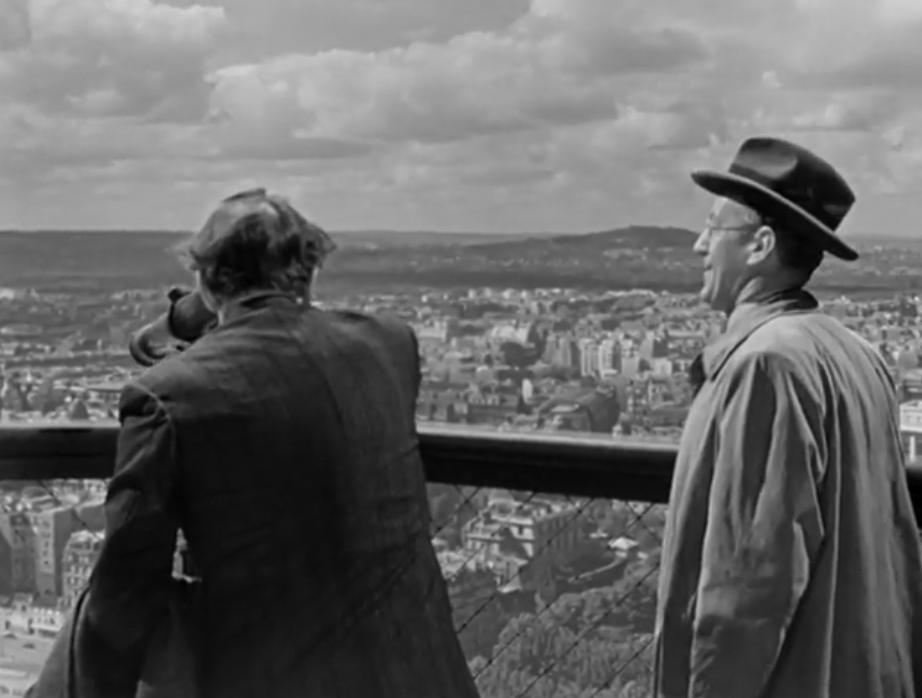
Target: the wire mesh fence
pixel 552 595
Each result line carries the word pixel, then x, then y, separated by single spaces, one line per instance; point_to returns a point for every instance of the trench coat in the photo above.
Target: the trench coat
pixel 283 443
pixel 791 564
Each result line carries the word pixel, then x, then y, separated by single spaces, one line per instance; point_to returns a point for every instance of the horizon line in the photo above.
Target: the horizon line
pixel 406 231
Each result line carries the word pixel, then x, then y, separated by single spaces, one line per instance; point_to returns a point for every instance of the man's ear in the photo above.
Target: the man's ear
pixel 207 296
pixel 762 244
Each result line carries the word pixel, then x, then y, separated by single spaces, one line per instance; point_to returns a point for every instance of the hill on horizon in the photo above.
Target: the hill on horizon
pixel 441 237
pixel 654 257
pixel 637 237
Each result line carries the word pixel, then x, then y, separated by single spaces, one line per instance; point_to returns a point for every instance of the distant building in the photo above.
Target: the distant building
pixel 47 617
pixel 912 385
pixel 12 396
pixel 519 541
pixel 596 410
pixel 21 331
pixel 520 333
pixel 17 553
pixel 19 615
pixel 624 547
pixel 77 410
pixel 53 528
pixel 911 428
pixel 438 331
pixel 80 555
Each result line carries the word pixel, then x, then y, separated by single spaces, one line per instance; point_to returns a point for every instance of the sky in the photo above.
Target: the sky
pixel 456 115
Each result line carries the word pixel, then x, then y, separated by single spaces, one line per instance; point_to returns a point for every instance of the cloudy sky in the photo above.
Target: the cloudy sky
pixel 470 115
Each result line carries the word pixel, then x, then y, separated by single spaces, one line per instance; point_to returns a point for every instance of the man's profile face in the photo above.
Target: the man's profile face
pixel 723 246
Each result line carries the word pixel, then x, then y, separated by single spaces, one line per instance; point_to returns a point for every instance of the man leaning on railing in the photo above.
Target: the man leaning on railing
pixel 791 563
pixel 283 444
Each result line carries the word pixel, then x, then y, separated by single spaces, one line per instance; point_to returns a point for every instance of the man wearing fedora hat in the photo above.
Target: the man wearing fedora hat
pixel 791 564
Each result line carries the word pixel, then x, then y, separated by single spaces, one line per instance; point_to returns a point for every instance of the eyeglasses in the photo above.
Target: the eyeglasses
pixel 711 227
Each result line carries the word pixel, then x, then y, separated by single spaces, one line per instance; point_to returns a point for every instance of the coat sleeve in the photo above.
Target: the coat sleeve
pixel 764 527
pixel 129 590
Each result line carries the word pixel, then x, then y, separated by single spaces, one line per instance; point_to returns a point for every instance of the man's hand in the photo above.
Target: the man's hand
pixel 153 343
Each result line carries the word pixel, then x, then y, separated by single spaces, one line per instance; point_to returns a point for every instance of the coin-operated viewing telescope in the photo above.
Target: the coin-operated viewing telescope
pixel 187 319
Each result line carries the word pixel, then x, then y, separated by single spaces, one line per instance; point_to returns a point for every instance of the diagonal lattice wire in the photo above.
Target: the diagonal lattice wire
pixel 464 502
pixel 360 572
pixel 639 518
pixel 384 586
pixel 72 508
pixel 500 650
pixel 582 635
pixel 550 540
pixel 467 560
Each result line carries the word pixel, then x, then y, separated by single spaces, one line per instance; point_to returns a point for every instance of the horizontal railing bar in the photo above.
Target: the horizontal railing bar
pixel 590 467
pixel 584 465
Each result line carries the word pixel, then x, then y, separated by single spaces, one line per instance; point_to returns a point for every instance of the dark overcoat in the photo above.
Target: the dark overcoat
pixel 284 446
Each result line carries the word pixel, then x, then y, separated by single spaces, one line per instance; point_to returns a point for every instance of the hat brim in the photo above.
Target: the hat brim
pixel 764 200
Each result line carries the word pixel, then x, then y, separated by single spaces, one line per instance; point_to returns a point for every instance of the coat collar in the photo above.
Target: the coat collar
pixel 745 319
pixel 261 299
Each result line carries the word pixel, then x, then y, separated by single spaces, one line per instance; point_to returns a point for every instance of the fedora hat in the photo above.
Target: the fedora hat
pixel 787 183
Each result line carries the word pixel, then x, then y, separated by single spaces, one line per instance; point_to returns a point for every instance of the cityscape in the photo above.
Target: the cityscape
pixel 593 363
pixel 512 180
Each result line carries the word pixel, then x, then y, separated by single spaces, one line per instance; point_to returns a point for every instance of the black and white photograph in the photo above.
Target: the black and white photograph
pixel 460 349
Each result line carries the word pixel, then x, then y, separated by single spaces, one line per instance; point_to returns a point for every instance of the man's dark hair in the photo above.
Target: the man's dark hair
pixel 257 241
pixel 795 251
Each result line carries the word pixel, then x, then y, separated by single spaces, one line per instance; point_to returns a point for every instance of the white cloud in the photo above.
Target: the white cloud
pixel 863 111
pixel 15 25
pixel 551 67
pixel 520 114
pixel 271 27
pixel 839 12
pixel 114 58
pixel 900 11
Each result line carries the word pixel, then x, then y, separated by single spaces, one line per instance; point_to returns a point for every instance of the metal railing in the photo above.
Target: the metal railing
pixel 573 465
pixel 583 465
pixel 572 616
